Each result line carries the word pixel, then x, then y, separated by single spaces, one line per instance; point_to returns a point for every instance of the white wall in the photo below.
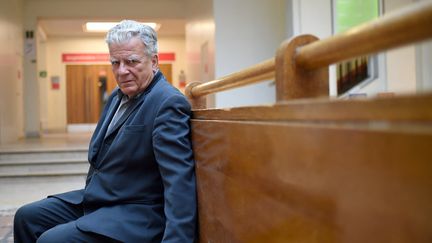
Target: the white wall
pixel 401 62
pixel 423 66
pixel 53 110
pixel 247 32
pixel 312 17
pixel 11 70
pixel 178 46
pixel 200 45
pixel 42 81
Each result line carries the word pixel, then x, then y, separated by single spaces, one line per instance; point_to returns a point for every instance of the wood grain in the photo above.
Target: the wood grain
pixel 294 182
pixel 400 108
pixel 292 82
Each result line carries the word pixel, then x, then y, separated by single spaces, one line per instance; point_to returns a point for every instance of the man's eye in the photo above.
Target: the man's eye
pixel 132 61
pixel 115 63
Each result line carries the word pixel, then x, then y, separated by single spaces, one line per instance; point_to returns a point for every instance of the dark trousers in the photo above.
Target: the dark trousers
pixel 51 220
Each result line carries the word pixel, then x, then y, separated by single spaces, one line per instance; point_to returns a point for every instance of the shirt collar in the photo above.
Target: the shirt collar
pixel 120 95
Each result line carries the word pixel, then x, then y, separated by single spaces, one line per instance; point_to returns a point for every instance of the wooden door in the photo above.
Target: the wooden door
pixel 87 88
pixel 75 94
pixel 166 69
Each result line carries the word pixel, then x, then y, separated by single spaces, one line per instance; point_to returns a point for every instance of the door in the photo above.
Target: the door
pixel 166 69
pixel 87 87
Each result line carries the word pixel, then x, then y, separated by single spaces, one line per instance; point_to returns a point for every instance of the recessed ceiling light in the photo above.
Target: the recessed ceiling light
pixel 105 26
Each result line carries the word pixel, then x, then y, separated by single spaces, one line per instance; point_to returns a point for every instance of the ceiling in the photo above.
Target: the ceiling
pixel 74 27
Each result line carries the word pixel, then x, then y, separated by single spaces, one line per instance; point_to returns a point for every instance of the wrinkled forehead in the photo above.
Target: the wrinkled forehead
pixel 130 44
pixel 131 48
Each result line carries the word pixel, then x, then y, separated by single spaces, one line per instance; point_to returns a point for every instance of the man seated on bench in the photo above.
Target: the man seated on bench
pixel 141 182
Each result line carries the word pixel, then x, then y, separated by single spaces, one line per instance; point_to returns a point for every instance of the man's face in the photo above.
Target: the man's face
pixel 133 69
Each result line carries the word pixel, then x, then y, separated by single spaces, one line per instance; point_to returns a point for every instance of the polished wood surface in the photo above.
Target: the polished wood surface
pixel 313 182
pixel 292 81
pixel 166 69
pixel 318 170
pixel 409 25
pixel 75 93
pixel 84 96
pixel 256 73
pixel 197 102
pixel 412 108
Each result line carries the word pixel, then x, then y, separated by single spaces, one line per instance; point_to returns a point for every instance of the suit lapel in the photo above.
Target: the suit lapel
pixel 135 103
pixel 100 135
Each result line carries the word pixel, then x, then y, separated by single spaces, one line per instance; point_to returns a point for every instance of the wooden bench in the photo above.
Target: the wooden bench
pixel 311 169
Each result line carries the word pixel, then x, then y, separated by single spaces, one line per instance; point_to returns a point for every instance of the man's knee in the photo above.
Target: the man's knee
pixel 25 226
pixel 26 213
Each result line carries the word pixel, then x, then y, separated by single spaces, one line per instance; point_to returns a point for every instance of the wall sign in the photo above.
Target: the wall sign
pixel 55 82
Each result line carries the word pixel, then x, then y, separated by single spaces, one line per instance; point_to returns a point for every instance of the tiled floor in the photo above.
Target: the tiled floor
pixel 15 192
pixel 6 232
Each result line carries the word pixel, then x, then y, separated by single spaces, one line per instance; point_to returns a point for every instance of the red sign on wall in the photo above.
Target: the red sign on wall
pixel 167 56
pixel 85 57
pixel 104 57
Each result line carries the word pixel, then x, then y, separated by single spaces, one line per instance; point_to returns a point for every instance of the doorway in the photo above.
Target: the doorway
pixel 87 88
pixel 166 69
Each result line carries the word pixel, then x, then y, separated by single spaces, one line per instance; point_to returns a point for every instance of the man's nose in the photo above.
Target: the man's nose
pixel 123 68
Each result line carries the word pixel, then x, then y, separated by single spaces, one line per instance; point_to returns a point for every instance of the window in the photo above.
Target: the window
pixel 361 70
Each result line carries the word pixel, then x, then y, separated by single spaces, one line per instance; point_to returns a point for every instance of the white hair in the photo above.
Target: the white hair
pixel 128 29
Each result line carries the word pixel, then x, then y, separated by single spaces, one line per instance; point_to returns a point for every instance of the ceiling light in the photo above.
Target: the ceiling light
pixel 105 26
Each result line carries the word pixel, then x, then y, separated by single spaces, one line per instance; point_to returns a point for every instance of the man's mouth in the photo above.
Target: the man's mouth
pixel 127 82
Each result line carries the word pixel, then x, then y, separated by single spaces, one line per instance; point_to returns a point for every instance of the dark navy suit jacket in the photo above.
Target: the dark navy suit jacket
pixel 141 183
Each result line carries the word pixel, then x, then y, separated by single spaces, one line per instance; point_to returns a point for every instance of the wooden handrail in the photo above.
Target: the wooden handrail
pixel 256 73
pixel 259 72
pixel 408 25
pixel 395 29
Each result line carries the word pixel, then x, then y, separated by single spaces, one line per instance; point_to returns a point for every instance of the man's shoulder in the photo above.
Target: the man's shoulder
pixel 164 90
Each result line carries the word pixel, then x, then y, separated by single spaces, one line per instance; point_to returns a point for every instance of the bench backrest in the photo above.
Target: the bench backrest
pixel 317 170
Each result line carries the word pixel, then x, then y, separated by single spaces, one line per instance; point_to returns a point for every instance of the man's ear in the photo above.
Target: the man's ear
pixel 155 62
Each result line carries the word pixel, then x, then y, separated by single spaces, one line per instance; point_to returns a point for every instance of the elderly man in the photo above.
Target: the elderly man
pixel 141 182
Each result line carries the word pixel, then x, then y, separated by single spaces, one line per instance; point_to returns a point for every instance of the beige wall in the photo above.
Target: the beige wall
pixel 11 71
pixel 401 62
pixel 55 106
pixel 247 32
pixel 53 109
pixel 178 46
pixel 200 43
